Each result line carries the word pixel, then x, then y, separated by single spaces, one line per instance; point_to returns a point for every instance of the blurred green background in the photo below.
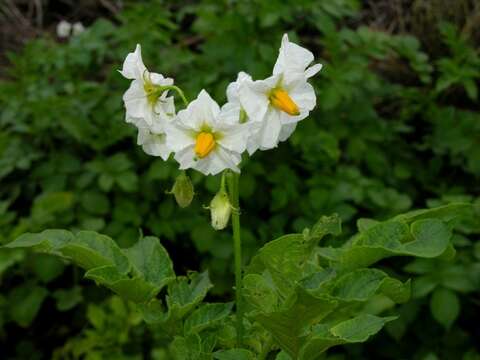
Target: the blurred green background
pixel 397 127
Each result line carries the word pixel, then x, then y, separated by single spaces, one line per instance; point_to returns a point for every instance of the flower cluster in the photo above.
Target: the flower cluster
pixel 209 138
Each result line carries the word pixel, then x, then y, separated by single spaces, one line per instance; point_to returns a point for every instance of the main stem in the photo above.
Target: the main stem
pixel 233 180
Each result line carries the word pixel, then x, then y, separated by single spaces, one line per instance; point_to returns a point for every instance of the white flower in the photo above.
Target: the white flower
pixel 78 28
pixel 63 29
pixel 152 137
pixel 277 103
pixel 233 111
pixel 203 140
pixel 145 98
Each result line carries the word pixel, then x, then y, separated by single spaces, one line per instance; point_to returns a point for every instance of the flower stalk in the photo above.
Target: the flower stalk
pixel 233 182
pixel 179 91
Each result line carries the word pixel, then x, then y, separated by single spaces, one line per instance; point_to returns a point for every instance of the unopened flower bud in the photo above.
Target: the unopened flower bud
pixel 220 209
pixel 183 190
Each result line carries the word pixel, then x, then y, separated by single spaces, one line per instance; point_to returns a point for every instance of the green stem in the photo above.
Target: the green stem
pixel 233 180
pixel 177 89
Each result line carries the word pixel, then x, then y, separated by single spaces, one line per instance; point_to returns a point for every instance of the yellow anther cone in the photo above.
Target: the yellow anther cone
pixel 281 100
pixel 205 143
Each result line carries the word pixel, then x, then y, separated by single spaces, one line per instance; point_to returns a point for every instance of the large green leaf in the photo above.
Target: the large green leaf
pixel 137 273
pixel 425 238
pixel 444 213
pixel 289 323
pixel 287 259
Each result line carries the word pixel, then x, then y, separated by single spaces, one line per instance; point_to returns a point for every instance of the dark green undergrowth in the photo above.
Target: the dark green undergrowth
pixel 395 129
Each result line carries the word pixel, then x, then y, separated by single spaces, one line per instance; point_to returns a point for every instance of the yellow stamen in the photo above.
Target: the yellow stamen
pixel 281 100
pixel 151 92
pixel 204 145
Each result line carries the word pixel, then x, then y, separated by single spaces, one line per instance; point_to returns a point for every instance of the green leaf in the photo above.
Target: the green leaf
pixel 445 306
pixel 287 258
pixel 360 285
pixel 207 316
pixel 360 328
pixel 355 330
pixel 135 289
pixel 327 225
pixel 423 285
pixel 234 354
pixel 96 316
pixel 425 238
pixel 193 347
pixel 137 273
pixel 288 324
pixel 47 241
pixel 444 213
pixel 69 298
pixel 284 259
pixel 89 250
pixel 95 202
pixel 24 302
pixel 47 267
pixel 9 257
pixel 259 293
pixel 185 293
pixel 151 262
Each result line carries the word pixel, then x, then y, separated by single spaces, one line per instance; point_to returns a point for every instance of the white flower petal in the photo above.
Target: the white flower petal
pixel 179 137
pixel 201 111
pixel 234 137
pixel 303 95
pixel 230 113
pixel 292 57
pixel 159 79
pixel 254 97
pixel 312 70
pixel 153 144
pixel 234 87
pixel 217 161
pixel 270 131
pixel 133 67
pixel 230 159
pixel 186 158
pixel 286 131
pixel 135 99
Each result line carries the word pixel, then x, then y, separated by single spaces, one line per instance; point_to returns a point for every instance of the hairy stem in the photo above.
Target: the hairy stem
pixel 233 180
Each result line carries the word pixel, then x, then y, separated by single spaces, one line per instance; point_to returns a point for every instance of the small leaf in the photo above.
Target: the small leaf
pixel 186 293
pixel 355 330
pixel 445 306
pixel 360 328
pixel 68 298
pixel 423 285
pixel 24 303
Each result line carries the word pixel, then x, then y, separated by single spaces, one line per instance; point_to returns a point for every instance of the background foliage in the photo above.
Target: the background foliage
pixel 396 127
